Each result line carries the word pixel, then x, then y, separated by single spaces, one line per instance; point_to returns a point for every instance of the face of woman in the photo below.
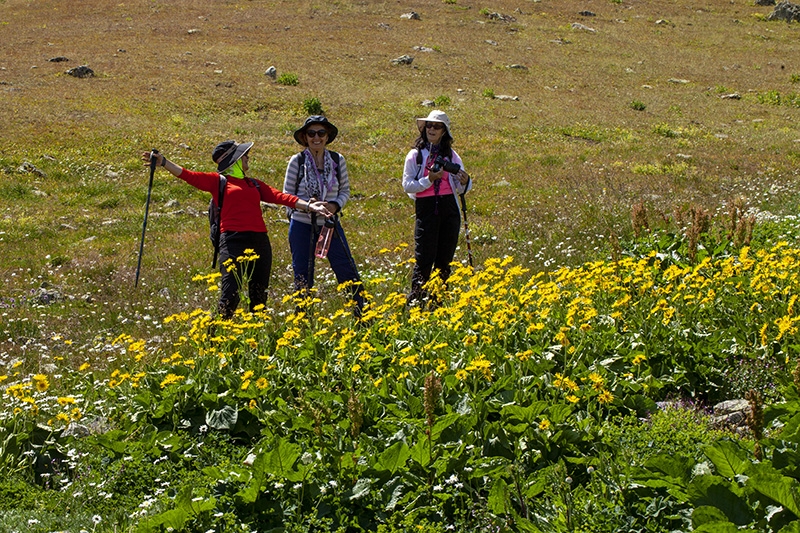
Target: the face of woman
pixel 434 132
pixel 245 162
pixel 316 136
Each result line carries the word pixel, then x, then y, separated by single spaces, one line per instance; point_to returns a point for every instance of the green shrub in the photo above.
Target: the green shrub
pixel 312 106
pixel 442 100
pixel 636 105
pixel 678 428
pixel 488 93
pixel 288 78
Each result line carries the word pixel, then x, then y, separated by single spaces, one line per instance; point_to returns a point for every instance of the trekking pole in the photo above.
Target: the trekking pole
pixel 346 247
pixel 466 228
pixel 359 284
pixel 311 249
pixel 153 152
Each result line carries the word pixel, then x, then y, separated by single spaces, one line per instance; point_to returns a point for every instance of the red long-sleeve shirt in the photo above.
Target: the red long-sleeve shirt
pixel 241 208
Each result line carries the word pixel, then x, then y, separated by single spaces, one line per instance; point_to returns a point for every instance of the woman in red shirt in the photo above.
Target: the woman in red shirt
pixel 241 221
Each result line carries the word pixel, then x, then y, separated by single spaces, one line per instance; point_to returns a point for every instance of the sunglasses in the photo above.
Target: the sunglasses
pixel 314 133
pixel 434 125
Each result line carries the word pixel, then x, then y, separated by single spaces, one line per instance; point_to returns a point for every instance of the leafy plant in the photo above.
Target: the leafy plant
pixel 312 106
pixel 288 78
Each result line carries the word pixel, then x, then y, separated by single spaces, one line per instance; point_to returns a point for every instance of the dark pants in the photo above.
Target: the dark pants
pixel 232 246
pixel 435 239
pixel 302 242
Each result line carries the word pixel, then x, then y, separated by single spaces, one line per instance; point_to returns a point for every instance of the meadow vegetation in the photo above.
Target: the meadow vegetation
pixel 636 261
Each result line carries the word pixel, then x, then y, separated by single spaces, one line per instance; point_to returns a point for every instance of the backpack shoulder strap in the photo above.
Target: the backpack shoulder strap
pixel 301 161
pixel 336 159
pixel 223 184
pixel 419 164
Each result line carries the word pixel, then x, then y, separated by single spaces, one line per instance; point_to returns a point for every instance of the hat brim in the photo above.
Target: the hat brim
pixel 300 133
pixel 421 124
pixel 237 154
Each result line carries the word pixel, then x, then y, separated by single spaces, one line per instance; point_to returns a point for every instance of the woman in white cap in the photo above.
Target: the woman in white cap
pixel 241 222
pixel 435 191
pixel 319 173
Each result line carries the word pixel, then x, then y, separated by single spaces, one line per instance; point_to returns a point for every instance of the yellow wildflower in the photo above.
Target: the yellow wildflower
pixel 605 397
pixel 171 379
pixel 41 382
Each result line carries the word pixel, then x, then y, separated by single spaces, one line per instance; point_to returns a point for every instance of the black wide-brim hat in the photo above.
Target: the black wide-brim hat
pixel 299 134
pixel 227 153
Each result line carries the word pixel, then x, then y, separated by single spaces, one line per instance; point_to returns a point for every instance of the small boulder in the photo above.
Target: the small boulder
pixel 82 71
pixel 785 11
pixel 402 60
pixel 580 27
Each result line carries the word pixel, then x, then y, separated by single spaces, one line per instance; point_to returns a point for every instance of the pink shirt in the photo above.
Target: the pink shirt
pixel 444 183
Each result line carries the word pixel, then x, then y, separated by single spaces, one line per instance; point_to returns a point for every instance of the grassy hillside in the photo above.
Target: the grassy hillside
pixel 627 109
pixel 597 132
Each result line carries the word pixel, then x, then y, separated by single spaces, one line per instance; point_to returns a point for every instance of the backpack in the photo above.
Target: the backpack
pixel 301 173
pixel 215 215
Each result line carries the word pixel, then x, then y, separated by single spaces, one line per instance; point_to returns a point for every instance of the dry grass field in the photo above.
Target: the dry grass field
pixel 662 103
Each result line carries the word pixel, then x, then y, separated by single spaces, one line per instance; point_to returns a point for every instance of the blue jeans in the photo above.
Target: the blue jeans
pixel 302 243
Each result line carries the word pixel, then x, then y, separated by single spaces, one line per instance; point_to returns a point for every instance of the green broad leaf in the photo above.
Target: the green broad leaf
pixel 172 520
pixel 792 527
pixel 195 505
pixel 393 457
pixel 728 458
pixel 113 440
pixel 560 413
pixel 526 526
pixel 223 419
pixel 706 514
pixel 421 452
pixel 782 489
pixel 360 489
pixel 249 494
pixel 394 499
pixel 442 423
pixel 718 527
pixel 723 495
pixel 281 459
pixel 791 428
pixel 170 441
pixel 518 429
pixel 498 497
pixel 678 468
pixel 528 414
pixel 641 404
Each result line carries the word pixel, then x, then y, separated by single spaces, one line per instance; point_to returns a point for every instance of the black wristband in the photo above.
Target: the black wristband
pixel 163 161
